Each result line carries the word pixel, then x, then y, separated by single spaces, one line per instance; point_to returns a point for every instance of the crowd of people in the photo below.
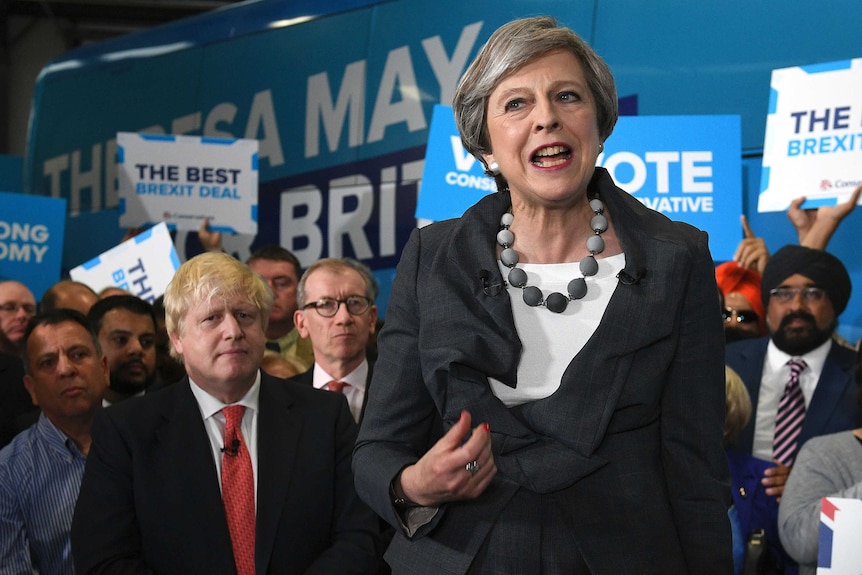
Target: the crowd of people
pixel 578 401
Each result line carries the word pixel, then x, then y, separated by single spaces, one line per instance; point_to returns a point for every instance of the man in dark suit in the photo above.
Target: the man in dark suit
pixel 804 291
pixel 230 470
pixel 339 334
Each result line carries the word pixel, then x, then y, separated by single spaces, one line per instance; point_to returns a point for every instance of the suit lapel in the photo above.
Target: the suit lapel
pixel 278 433
pixel 182 438
pixel 831 388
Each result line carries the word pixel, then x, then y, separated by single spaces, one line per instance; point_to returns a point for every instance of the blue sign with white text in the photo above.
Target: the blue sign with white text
pixel 31 240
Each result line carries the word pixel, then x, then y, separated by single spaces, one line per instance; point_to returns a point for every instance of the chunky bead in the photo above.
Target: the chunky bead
pixel 577 288
pixel 596 244
pixel 507 219
pixel 517 277
pixel 599 223
pixel 532 296
pixel 596 205
pixel 509 257
pixel 589 266
pixel 505 238
pixel 556 302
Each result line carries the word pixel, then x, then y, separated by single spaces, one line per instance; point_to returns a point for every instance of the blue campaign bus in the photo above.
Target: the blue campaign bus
pixel 340 98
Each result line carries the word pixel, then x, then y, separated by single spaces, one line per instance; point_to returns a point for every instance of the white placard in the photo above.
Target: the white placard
pixel 143 265
pixel 839 552
pixel 182 180
pixel 813 143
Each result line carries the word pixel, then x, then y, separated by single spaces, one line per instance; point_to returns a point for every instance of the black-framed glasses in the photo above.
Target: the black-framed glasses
pixel 730 315
pixel 808 294
pixel 328 307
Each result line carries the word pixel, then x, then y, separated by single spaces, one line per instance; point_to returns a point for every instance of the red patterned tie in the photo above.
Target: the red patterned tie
pixel 791 414
pixel 237 480
pixel 336 386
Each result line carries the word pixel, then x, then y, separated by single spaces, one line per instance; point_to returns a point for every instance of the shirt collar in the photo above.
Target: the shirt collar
pixel 355 378
pixel 56 439
pixel 209 405
pixel 776 359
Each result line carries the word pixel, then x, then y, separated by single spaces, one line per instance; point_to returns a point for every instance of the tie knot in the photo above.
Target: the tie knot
pixel 337 386
pixel 797 365
pixel 233 415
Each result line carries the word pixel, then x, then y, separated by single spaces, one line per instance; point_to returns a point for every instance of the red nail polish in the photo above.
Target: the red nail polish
pixel 486 427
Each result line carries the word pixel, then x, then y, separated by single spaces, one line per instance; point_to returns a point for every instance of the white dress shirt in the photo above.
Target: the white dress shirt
pixel 355 390
pixel 214 423
pixel 776 372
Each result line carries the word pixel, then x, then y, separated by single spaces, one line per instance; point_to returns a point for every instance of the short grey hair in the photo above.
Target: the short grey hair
pixel 336 264
pixel 509 48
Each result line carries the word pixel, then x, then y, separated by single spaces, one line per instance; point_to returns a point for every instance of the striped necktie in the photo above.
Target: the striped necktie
pixel 791 414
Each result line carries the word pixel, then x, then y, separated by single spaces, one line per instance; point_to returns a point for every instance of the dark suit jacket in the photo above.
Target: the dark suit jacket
pixel 150 499
pixel 627 453
pixel 14 398
pixel 833 406
pixel 307 378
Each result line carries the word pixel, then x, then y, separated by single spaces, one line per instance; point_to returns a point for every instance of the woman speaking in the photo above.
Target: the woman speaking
pixel 549 391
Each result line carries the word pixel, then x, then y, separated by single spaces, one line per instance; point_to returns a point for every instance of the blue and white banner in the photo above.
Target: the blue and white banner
pixel 839 552
pixel 182 180
pixel 31 240
pixel 813 142
pixel 687 167
pixel 142 265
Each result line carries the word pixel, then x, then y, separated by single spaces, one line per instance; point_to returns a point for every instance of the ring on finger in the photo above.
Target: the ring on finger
pixel 472 467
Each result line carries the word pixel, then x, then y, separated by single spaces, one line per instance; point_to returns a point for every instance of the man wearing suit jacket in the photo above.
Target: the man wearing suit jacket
pixel 339 334
pixel 230 470
pixel 804 291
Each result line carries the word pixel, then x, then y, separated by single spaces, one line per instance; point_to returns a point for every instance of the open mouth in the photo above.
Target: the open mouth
pixel 551 156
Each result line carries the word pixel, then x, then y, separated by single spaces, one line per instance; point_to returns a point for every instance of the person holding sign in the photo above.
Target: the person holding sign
pixel 549 390
pixel 827 466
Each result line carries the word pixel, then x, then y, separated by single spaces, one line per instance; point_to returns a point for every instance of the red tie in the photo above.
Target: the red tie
pixel 237 480
pixel 337 386
pixel 791 415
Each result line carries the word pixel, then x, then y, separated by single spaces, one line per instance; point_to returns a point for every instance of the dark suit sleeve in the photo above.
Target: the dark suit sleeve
pixel 692 424
pixel 400 421
pixel 105 534
pixel 354 527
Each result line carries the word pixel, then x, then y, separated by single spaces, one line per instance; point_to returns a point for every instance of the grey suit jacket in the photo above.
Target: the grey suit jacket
pixel 150 498
pixel 833 406
pixel 630 446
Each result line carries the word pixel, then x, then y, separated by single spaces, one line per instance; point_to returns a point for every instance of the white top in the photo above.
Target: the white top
pixel 550 340
pixel 355 390
pixel 214 423
pixel 776 372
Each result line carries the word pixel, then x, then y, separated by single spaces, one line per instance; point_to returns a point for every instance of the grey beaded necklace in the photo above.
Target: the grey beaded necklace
pixel 577 288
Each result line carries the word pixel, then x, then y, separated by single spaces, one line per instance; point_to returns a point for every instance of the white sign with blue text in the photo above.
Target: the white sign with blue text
pixel 31 240
pixel 838 550
pixel 813 142
pixel 142 265
pixel 687 167
pixel 183 180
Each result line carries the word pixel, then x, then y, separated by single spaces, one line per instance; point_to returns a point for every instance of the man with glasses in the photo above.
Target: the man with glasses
pixel 800 380
pixel 17 306
pixel 337 313
pixel 280 269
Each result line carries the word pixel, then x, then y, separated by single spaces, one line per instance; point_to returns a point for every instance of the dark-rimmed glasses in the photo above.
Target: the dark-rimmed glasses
pixel 328 307
pixel 809 294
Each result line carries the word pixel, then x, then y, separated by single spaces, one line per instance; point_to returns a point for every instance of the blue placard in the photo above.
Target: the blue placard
pixel 453 180
pixel 686 167
pixel 31 240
